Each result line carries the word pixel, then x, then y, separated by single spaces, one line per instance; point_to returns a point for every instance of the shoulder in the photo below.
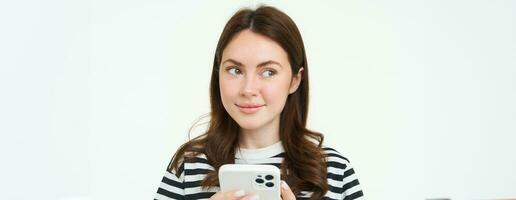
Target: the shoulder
pixel 197 161
pixel 188 158
pixel 333 153
pixel 335 159
pixel 191 157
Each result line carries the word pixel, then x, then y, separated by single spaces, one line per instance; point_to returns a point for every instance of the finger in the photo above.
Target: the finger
pixel 286 193
pixel 250 197
pixel 229 195
pixel 240 195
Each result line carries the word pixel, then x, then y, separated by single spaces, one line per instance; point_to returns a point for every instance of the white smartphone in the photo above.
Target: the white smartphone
pixel 263 180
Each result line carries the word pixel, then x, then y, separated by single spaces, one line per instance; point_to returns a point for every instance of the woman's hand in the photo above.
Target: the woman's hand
pixel 286 193
pixel 233 195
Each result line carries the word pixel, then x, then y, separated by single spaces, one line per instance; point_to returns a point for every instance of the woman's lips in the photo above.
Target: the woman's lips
pixel 249 109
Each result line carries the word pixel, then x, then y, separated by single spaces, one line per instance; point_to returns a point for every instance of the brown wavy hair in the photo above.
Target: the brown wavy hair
pixel 304 164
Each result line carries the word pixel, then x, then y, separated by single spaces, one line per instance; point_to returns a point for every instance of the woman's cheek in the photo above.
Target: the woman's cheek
pixel 228 90
pixel 274 94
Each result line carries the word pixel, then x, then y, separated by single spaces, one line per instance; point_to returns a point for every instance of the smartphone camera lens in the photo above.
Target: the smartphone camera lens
pixel 259 180
pixel 269 177
pixel 269 184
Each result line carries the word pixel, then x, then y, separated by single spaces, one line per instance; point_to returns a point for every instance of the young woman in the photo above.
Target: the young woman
pixel 259 106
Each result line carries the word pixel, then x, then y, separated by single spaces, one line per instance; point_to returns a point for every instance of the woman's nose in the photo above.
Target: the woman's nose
pixel 250 86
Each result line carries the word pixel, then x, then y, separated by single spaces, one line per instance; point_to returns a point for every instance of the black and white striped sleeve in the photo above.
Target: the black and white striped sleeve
pixel 342 179
pixel 351 185
pixel 172 185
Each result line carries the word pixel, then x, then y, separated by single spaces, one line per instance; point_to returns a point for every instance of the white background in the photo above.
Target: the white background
pixel 97 95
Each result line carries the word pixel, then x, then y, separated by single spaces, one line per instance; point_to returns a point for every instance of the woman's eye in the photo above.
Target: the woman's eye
pixel 234 71
pixel 268 73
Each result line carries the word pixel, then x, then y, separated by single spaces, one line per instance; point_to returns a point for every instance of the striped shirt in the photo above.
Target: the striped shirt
pixel 342 181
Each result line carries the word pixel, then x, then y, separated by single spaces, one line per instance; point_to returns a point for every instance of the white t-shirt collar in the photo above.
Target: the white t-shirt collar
pixel 261 153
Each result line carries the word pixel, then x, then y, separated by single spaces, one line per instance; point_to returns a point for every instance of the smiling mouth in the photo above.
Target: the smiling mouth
pixel 249 109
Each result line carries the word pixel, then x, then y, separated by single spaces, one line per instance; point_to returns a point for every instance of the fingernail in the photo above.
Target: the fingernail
pixel 254 197
pixel 284 185
pixel 239 193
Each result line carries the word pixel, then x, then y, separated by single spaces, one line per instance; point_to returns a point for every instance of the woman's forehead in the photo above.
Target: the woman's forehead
pixel 250 48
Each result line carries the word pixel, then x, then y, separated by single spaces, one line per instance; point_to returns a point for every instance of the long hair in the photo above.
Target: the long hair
pixel 304 166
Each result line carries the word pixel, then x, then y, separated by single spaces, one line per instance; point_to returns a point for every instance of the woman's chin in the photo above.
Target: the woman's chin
pixel 248 125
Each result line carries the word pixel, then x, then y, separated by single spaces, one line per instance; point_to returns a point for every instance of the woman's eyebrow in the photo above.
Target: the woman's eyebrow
pixel 262 64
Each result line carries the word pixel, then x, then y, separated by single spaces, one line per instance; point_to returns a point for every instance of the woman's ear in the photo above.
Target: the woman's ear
pixel 296 80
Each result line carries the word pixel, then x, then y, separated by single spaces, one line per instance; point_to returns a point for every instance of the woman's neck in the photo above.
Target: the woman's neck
pixel 260 137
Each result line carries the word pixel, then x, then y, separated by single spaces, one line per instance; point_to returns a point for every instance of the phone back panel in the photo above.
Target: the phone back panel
pixel 263 180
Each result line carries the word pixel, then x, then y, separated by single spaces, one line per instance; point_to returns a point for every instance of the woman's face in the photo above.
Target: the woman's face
pixel 255 80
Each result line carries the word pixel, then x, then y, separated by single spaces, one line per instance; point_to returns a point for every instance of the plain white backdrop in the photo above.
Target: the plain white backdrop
pixel 97 95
